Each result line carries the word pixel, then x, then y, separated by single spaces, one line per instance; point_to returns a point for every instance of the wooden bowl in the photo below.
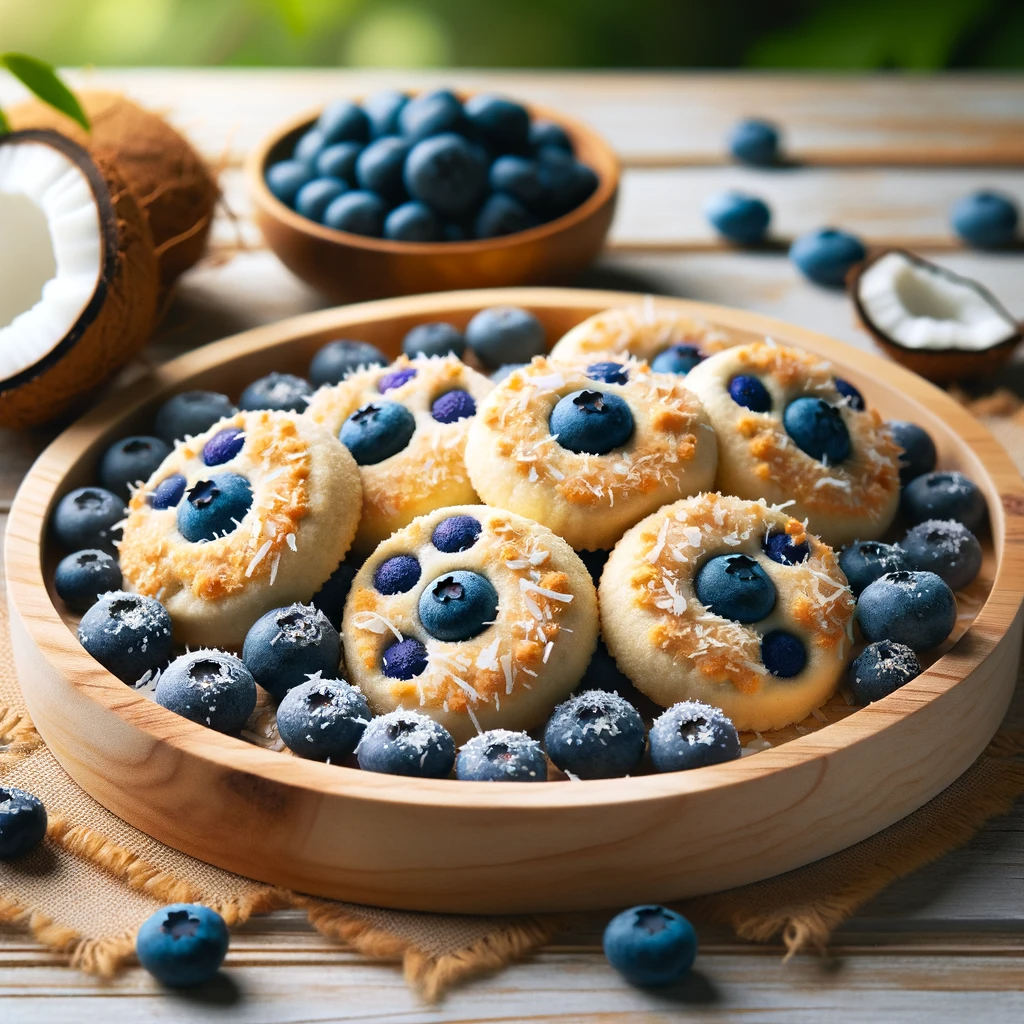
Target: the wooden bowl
pixel 444 845
pixel 347 267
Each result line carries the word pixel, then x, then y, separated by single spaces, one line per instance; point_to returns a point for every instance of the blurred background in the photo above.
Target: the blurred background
pixel 840 34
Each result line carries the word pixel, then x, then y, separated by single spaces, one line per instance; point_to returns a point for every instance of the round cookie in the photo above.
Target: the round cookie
pixel 843 498
pixel 422 467
pixel 516 604
pixel 268 502
pixel 673 647
pixel 516 461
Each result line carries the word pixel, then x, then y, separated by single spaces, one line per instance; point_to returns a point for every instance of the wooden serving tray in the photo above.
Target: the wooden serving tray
pixel 480 847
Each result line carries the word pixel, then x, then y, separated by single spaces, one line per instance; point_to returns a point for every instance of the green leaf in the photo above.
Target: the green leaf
pixel 40 78
pixel 5 125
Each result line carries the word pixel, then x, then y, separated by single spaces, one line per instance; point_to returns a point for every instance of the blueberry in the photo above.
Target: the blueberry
pixel 322 719
pixel 436 339
pixel 500 755
pixel 453 231
pixel 211 688
pixel 412 222
pixel 130 462
pixel 456 533
pixel 337 359
pixel 182 945
pixel 919 455
pixel 283 392
pixel 128 634
pixel 679 359
pixel 985 219
pixel 397 574
pixel 379 168
pixel 284 179
pixel 343 121
pixel 783 654
pixel 458 605
pixel 825 256
pixel 214 507
pixel 518 178
pixel 591 422
pixel 431 113
pixel 865 561
pixel 453 406
pixel 447 172
pixel 223 446
pixel 339 162
pixel 946 548
pixel 330 598
pixel 818 429
pixel 755 142
pixel 377 431
pixel 913 608
pixel 547 133
pixel 168 492
pixel 596 735
pixel 779 547
pixel 382 110
pixel 692 735
pixel 315 196
pixel 502 124
pixel 22 822
pixel 396 378
pixel 82 577
pixel 880 669
pixel 502 215
pixel 191 413
pixel 738 217
pixel 750 393
pixel 404 659
pixel 406 743
pixel 505 334
pixel 945 494
pixel 610 373
pixel 357 212
pixel 853 397
pixel 287 645
pixel 505 371
pixel 650 946
pixel 566 182
pixel 86 518
pixel 307 149
pixel 735 587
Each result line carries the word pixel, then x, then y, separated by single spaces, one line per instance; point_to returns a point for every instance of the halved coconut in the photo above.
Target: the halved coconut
pixel 78 275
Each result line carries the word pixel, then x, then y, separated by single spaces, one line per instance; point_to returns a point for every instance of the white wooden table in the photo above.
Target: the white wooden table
pixel 882 156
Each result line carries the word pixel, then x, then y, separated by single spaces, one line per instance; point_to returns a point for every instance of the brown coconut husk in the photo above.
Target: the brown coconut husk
pixel 171 181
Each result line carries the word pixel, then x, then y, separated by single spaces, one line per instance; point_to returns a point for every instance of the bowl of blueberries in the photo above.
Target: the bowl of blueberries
pixel 398 193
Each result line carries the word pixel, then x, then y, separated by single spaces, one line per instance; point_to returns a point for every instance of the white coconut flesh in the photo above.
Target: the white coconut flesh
pixel 922 306
pixel 51 252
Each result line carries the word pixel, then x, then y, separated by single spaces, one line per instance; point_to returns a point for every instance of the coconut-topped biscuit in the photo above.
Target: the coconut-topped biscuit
pixel 254 514
pixel 728 602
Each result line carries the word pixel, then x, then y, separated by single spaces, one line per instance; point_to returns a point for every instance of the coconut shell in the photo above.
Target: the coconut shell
pixel 118 321
pixel 171 181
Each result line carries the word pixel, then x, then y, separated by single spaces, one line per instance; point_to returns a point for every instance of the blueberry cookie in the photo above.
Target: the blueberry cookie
pixel 479 618
pixel 589 452
pixel 730 603
pixel 254 514
pixel 789 431
pixel 406 427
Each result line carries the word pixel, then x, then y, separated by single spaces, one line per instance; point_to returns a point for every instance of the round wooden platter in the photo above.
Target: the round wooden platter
pixel 485 848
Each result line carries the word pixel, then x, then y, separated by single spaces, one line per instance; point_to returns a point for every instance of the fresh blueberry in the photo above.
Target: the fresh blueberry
pixel 735 587
pixel 223 446
pixel 22 822
pixel 458 605
pixel 946 548
pixel 755 142
pixel 818 429
pixel 453 406
pixel 406 743
pixel 919 455
pixel 382 111
pixel 447 172
pixel 596 735
pixel 783 654
pixel 191 413
pixel 692 735
pixel 130 462
pixel 337 359
pixel 377 431
pixel 339 162
pixel 547 133
pixel 412 222
pixel 284 179
pixel 214 507
pixel 945 494
pixel 738 217
pixel 650 946
pixel 913 608
pixel 505 334
pixel 610 373
pixel 86 518
pixel 343 121
pixel 500 755
pixel 865 561
pixel 315 196
pixel 379 168
pixel 82 577
pixel 518 178
pixel 985 219
pixel 307 149
pixel 453 231
pixel 396 378
pixel 168 492
pixel 287 645
pixel 404 659
pixel 283 392
pixel 431 113
pixel 397 574
pixel 880 669
pixel 750 393
pixel 566 182
pixel 779 547
pixel 330 598
pixel 322 719
pixel 505 371
pixel 128 634
pixel 182 945
pixel 435 339
pixel 211 688
pixel 456 533
pixel 358 212
pixel 679 359
pixel 853 397
pixel 502 215
pixel 502 124
pixel 825 256
pixel 591 422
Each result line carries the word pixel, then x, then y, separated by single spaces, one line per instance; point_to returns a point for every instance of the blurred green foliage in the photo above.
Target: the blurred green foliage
pixel 839 34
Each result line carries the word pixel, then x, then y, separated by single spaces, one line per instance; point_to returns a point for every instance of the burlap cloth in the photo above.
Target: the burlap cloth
pixel 94 881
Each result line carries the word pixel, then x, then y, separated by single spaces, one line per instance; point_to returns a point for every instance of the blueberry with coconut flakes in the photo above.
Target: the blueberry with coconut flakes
pixel 502 124
pixel 284 179
pixel 377 431
pixel 339 162
pixel 985 219
pixel 396 378
pixel 502 215
pixel 434 339
pixel 315 196
pixel 650 946
pixel 692 735
pixel 412 222
pixel 343 121
pixel 22 822
pixel 783 654
pixel 853 397
pixel 211 688
pixel 330 598
pixel 308 148
pixel 397 574
pixel 82 577
pixel 223 446
pixel 865 561
pixel 431 113
pixel 779 547
pixel 287 645
pixel 446 172
pixel 453 406
pixel 505 334
pixel 735 587
pixel 87 517
pixel 128 634
pixel 191 413
pixel 913 608
pixel 214 507
pixel 610 373
pixel 818 429
pixel 547 133
pixel 596 735
pixel 458 605
pixel 591 422
pixel 130 462
pixel 358 212
pixel 755 142
pixel 946 548
pixel 680 359
pixel 182 945
pixel 501 755
pixel 322 719
pixel 167 493
pixel 456 533
pixel 738 217
pixel 406 743
pixel 919 455
pixel 337 359
pixel 380 168
pixel 880 669
pixel 945 494
pixel 825 256
pixel 283 392
pixel 750 393
pixel 517 177
pixel 404 659
pixel 382 110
